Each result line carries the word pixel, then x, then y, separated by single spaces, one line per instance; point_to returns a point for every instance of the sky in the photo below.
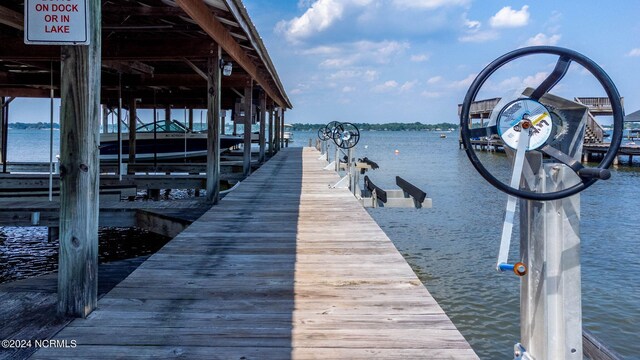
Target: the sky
pixel 380 61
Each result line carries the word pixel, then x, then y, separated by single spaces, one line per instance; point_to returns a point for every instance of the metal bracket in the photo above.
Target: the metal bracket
pixel 342 183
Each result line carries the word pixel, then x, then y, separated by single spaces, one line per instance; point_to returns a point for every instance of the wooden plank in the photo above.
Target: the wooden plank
pixel 271 273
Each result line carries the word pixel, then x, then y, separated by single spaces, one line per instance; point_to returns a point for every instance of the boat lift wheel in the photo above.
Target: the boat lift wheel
pixel 324 134
pixel 507 125
pixel 347 136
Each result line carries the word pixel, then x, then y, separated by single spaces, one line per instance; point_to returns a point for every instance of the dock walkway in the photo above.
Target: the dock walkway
pixel 284 267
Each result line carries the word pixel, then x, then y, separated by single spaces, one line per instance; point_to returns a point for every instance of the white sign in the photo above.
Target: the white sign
pixel 56 22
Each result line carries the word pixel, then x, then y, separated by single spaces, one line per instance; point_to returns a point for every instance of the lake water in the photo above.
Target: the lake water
pixel 453 246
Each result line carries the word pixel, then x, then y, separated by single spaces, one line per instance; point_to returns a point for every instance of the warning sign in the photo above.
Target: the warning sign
pixel 56 22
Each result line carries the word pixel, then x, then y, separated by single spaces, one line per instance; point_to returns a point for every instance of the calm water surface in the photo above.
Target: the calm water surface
pixel 453 246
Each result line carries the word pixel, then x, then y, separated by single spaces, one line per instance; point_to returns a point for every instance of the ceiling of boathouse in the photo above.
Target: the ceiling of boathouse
pixel 151 50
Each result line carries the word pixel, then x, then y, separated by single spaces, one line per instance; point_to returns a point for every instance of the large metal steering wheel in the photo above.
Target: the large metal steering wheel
pixel 347 136
pixel 535 108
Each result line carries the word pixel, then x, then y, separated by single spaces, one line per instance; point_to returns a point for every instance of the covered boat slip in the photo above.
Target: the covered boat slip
pixel 284 267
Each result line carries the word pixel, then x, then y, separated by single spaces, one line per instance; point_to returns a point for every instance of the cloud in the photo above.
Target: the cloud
pixel 409 85
pixel 430 94
pixel 634 52
pixel 542 39
pixel 347 89
pixel 428 4
pixel 419 57
pixel 385 87
pixel 479 36
pixel 535 80
pixel 317 18
pixel 434 80
pixel 509 18
pixel 464 83
pixel 358 53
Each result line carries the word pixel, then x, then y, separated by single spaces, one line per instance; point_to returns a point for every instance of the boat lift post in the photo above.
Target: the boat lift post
pixel 533 123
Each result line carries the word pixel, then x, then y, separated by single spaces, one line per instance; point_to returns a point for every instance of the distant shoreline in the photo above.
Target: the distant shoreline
pixel 35 126
pixel 415 126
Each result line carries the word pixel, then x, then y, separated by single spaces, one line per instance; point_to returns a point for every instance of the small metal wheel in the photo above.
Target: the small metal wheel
pixel 323 134
pixel 348 136
pixel 547 127
pixel 332 129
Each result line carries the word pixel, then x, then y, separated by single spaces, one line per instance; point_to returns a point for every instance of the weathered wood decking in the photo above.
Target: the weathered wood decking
pixel 284 267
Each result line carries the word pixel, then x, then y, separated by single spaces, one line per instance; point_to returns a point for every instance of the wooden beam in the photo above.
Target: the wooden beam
pixel 128 67
pixel 263 119
pixel 202 15
pixel 195 68
pixel 11 18
pixel 3 133
pixel 213 127
pixel 247 103
pixel 79 172
pixel 170 49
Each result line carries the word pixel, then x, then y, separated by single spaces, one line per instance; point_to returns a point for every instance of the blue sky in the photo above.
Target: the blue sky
pixel 413 60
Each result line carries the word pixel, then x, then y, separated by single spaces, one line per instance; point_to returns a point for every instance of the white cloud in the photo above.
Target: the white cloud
pixel 318 17
pixel 535 80
pixel 427 4
pixel 434 80
pixel 634 52
pixel 347 89
pixel 385 87
pixel 419 57
pixel 370 75
pixel 363 52
pixel 409 85
pixel 321 50
pixel 479 36
pixel 430 94
pixel 542 39
pixel 470 24
pixel 509 18
pixel 461 84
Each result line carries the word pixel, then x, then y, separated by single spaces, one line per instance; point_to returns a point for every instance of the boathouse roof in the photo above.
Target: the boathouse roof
pixel 155 49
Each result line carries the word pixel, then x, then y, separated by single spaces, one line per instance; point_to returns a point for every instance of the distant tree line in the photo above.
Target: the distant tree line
pixel 37 126
pixel 416 126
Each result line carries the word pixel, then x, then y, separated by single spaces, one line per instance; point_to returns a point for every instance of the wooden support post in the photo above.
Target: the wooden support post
pixel 263 119
pixel 282 139
pixel 3 132
pixel 235 123
pixel 191 119
pixel 271 129
pixel 133 115
pixel 223 125
pixel 167 116
pixel 213 127
pixel 119 128
pixel 276 138
pixel 53 233
pixel 79 172
pixel 248 116
pixel 105 119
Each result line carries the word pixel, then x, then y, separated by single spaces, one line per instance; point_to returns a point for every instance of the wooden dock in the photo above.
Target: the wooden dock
pixel 284 267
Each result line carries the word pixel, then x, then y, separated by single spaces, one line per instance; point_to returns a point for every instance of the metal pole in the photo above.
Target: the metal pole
pixel 51 138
